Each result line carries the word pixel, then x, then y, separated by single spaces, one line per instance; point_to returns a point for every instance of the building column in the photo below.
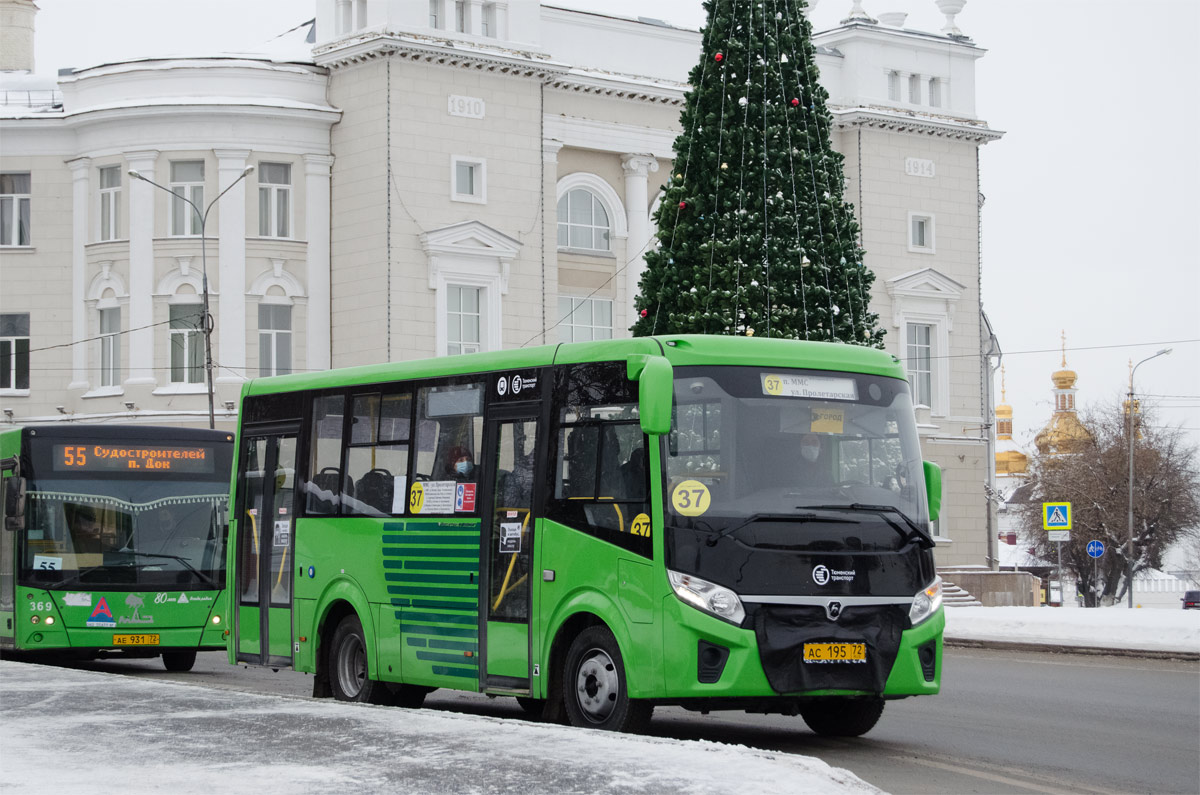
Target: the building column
pixel 316 229
pixel 231 256
pixel 638 168
pixel 81 170
pixel 550 150
pixel 474 17
pixel 141 269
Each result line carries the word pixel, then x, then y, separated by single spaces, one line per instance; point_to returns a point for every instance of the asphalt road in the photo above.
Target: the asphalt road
pixel 1006 722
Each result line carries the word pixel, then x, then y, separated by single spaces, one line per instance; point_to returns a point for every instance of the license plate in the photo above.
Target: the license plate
pixel 835 652
pixel 135 640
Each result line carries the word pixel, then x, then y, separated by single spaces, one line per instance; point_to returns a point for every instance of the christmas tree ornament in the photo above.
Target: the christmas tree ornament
pixel 795 102
pixel 683 205
pixel 719 57
pixel 644 313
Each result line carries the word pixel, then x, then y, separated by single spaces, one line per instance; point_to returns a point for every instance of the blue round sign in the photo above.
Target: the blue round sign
pixel 1095 548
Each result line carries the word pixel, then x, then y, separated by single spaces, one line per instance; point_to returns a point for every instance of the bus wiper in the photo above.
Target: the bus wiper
pixel 915 531
pixel 771 517
pixel 79 575
pixel 207 580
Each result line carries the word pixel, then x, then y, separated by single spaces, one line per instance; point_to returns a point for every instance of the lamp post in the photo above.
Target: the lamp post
pixel 207 319
pixel 1129 407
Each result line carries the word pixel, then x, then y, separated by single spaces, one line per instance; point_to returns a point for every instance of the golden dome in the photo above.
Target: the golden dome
pixel 1064 378
pixel 1063 434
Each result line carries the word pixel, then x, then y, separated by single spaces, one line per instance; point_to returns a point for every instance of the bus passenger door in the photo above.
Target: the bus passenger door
pixel 510 443
pixel 266 547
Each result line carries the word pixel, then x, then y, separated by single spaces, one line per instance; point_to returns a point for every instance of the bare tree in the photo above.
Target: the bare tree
pixel 1094 478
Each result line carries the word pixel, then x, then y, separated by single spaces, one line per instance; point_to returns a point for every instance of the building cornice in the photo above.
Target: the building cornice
pixel 898 121
pixel 369 46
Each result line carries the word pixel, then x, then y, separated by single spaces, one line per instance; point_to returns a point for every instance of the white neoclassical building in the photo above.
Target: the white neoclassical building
pixel 437 178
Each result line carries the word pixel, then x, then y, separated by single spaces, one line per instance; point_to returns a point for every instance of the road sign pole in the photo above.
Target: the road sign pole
pixel 1060 581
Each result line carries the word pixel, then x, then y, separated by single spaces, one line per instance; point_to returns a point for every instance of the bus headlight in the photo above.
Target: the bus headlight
pixel 926 603
pixel 707 596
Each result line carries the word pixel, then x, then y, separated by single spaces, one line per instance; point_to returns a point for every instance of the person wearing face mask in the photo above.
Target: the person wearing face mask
pixel 461 465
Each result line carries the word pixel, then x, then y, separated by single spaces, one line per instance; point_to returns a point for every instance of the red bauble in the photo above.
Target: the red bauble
pixel 683 205
pixel 718 57
pixel 644 313
pixel 795 102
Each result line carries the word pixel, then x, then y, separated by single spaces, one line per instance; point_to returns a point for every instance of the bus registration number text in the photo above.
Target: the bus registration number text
pixel 835 652
pixel 135 640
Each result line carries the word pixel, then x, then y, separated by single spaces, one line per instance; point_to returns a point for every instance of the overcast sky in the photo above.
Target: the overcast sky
pixel 1092 221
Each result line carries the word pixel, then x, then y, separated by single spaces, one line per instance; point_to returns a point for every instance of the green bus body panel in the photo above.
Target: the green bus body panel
pixel 507 649
pixel 91 625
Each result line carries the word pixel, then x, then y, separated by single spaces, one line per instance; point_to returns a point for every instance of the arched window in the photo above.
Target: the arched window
pixel 583 222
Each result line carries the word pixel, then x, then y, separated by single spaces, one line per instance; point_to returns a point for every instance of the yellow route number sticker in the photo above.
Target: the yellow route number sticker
pixel 416 498
pixel 691 498
pixel 640 525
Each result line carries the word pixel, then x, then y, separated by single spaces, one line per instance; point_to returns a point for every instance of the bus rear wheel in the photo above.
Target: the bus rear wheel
pixel 179 661
pixel 594 691
pixel 348 673
pixel 842 717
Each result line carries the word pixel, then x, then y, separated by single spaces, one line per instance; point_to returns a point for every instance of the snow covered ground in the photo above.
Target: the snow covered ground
pixel 1100 628
pixel 71 730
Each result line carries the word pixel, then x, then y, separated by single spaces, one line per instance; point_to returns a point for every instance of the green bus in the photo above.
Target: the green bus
pixel 594 529
pixel 113 541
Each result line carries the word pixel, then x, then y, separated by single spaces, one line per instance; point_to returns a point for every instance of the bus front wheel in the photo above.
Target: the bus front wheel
pixel 594 691
pixel 179 661
pixel 348 673
pixel 842 717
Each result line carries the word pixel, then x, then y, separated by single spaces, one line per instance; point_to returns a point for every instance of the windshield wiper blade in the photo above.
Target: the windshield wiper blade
pixel 915 531
pixel 79 575
pixel 770 517
pixel 207 580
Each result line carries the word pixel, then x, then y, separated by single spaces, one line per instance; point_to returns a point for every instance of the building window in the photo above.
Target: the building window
pixel 920 233
pixel 488 20
pixel 914 89
pixel 274 339
pixel 468 179
pixel 894 86
pixel 584 319
pixel 435 9
pixel 582 221
pixel 14 351
pixel 935 92
pixel 187 182
pixel 14 209
pixel 919 362
pixel 463 319
pixel 110 347
pixel 110 202
pixel 460 16
pixel 187 344
pixel 274 200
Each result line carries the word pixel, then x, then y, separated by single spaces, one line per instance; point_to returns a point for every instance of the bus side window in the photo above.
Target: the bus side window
pixel 377 456
pixel 449 427
pixel 327 485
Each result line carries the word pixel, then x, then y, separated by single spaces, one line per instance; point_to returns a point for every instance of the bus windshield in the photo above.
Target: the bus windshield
pixel 83 533
pixel 749 443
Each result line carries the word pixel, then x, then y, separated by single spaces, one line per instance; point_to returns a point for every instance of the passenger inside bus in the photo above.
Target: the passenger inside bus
pixel 460 465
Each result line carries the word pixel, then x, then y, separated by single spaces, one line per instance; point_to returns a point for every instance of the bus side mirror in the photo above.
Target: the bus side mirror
pixel 14 503
pixel 933 489
pixel 656 384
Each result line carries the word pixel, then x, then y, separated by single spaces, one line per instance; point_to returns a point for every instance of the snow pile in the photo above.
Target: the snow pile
pixel 1101 628
pixel 125 734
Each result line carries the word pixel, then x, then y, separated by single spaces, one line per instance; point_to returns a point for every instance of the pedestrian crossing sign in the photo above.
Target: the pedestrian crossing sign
pixel 1056 515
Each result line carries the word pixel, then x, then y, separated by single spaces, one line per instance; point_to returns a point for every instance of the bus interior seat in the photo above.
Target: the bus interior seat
pixel 376 488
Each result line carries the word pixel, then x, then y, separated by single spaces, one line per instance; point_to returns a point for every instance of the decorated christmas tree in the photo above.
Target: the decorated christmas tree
pixel 754 235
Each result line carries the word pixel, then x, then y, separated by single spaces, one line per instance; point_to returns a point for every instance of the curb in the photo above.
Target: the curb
pixel 1097 651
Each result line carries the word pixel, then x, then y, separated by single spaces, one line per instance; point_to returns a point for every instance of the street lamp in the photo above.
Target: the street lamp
pixel 208 321
pixel 1129 408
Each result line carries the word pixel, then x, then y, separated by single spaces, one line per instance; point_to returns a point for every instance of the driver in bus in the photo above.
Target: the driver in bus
pixel 814 463
pixel 85 530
